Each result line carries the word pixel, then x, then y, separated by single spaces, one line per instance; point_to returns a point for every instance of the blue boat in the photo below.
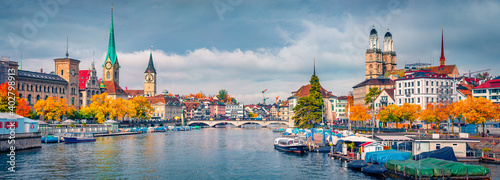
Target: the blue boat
pixel 79 137
pixel 51 139
pixel 374 169
pixel 357 164
pixel 290 145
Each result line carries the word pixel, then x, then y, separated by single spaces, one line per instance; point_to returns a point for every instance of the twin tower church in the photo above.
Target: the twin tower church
pixel 111 73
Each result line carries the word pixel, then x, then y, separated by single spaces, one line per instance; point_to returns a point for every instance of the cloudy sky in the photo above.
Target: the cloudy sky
pixel 248 46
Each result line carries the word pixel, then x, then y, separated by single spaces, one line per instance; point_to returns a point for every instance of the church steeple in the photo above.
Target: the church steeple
pixel 151 66
pixel 442 59
pixel 314 67
pixel 111 46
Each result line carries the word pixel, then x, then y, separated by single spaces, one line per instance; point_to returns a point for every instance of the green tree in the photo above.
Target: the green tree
pixel 222 94
pixel 372 94
pixel 74 114
pixel 308 110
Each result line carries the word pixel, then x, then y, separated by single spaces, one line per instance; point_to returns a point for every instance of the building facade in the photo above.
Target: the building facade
pixel 234 111
pixel 361 89
pixel 489 90
pixel 165 107
pixel 379 61
pixel 423 87
pixel 339 104
pixel 217 110
pixel 88 85
pixel 384 99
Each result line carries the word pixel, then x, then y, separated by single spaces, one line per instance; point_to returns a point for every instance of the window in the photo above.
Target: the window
pixel 432 83
pixel 412 84
pixel 412 100
pixel 438 146
pixel 455 144
pixel 426 83
pixel 432 90
pixel 399 84
pixel 108 75
pixel 413 91
pixel 418 100
pixel 418 83
pixel 418 90
pixel 400 92
pixel 399 101
pixel 406 85
pixel 62 72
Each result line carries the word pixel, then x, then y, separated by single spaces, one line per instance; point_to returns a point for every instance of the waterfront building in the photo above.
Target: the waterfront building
pixel 423 87
pixel 190 109
pixel 283 111
pixel 464 91
pixel 217 110
pixel 361 89
pixel 89 85
pixel 489 90
pixel 234 111
pixel 273 111
pixel 339 104
pixel 165 107
pixel 384 99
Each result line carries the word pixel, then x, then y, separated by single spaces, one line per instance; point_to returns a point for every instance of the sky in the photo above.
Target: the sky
pixel 247 46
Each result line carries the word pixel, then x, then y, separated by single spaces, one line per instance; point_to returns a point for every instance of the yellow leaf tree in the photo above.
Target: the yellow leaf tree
pixel 456 111
pixel 119 108
pixel 140 108
pixel 388 114
pixel 100 107
pixel 408 112
pixel 359 113
pixel 429 115
pixel 52 108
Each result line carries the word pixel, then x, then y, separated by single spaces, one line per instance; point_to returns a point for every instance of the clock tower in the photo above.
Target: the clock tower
pixel 111 66
pixel 150 78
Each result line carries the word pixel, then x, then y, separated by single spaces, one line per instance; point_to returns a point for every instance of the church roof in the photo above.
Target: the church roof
pixel 446 69
pixel 83 77
pixel 375 81
pixel 388 34
pixel 113 88
pixel 151 66
pixel 111 46
pixel 162 99
pixel 304 91
pixel 134 93
pixel 373 31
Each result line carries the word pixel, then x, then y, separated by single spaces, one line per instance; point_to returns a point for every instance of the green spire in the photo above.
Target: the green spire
pixel 111 47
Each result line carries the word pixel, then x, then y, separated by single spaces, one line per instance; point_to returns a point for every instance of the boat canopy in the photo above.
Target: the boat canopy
pixel 381 157
pixel 431 167
pixel 356 139
pixel 445 153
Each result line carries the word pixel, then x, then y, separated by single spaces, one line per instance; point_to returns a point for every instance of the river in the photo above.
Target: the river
pixel 211 153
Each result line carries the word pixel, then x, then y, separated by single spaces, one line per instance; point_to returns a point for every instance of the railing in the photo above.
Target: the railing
pixel 89 128
pixel 394 130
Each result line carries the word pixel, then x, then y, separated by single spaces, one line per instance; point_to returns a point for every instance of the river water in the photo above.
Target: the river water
pixel 211 153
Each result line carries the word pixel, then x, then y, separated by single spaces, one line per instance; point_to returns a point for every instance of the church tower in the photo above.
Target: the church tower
pixel 111 66
pixel 150 77
pixel 388 53
pixel 374 66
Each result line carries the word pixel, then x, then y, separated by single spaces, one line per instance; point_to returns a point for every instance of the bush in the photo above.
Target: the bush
pixel 58 126
pixel 84 124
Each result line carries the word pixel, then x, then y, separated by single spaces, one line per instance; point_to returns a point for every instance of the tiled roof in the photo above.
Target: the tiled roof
pixel 304 91
pixel 134 93
pixel 42 76
pixel 446 69
pixel 495 83
pixel 83 77
pixel 470 80
pixel 342 97
pixel 284 103
pixel 113 88
pixel 390 92
pixel 465 92
pixel 191 105
pixel 162 99
pixel 376 81
pixel 466 86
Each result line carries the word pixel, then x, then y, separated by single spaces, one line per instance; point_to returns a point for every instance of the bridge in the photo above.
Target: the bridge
pixel 149 123
pixel 237 123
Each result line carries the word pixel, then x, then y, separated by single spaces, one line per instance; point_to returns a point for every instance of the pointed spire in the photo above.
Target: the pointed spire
pixel 442 59
pixel 314 67
pixel 111 46
pixel 67 45
pixel 151 67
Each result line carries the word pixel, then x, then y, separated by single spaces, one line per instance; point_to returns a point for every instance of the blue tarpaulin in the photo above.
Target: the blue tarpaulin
pixel 445 153
pixel 370 155
pixel 384 156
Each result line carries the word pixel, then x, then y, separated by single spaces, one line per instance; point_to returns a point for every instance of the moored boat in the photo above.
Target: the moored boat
pixel 357 164
pixel 51 139
pixel 79 137
pixel 290 145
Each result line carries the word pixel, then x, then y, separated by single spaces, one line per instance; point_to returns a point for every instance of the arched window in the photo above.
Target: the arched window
pixel 29 99
pixel 44 88
pixel 46 97
pixel 20 95
pixel 72 101
pixel 108 75
pixel 62 72
pixel 37 97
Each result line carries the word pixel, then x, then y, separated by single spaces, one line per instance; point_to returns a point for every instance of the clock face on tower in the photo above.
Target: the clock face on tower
pixel 73 72
pixel 149 78
pixel 108 65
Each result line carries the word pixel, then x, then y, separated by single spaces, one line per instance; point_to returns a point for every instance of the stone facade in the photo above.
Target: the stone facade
pixel 22 141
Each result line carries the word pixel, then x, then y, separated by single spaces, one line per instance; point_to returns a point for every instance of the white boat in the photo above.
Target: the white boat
pixel 290 145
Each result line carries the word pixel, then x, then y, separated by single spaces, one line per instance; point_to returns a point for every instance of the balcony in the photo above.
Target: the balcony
pixel 408 95
pixel 383 100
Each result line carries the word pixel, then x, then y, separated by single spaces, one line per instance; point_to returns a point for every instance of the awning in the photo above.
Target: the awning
pixel 364 144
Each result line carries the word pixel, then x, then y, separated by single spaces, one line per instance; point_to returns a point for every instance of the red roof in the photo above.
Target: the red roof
pixel 489 84
pixel 191 105
pixel 83 77
pixel 366 143
pixel 470 80
pixel 163 99
pixel 447 69
pixel 134 93
pixel 304 91
pixel 113 88
pixel 465 92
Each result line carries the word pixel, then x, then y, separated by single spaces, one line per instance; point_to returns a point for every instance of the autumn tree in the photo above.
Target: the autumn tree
pixel 408 112
pixel 119 109
pixel 388 114
pixel 140 108
pixel 372 94
pixel 100 108
pixel 359 113
pixel 52 108
pixel 429 115
pixel 10 101
pixel 455 111
pixel 309 108
pixel 222 95
pixel 479 111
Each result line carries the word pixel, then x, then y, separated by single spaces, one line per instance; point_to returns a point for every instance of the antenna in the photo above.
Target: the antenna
pixel 21 60
pixel 67 46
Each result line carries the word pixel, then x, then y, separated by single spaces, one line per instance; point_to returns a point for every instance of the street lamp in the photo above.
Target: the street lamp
pixel 373 116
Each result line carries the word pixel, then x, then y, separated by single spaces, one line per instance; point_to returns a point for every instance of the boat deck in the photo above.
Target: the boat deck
pixel 390 173
pixel 117 134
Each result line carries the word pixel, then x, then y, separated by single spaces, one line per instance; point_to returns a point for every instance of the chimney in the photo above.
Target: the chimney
pixel 41 70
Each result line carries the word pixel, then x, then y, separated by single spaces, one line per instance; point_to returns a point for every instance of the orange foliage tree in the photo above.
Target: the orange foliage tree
pixel 358 113
pixel 10 101
pixel 479 110
pixel 388 114
pixel 408 112
pixel 455 111
pixel 52 108
pixel 140 108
